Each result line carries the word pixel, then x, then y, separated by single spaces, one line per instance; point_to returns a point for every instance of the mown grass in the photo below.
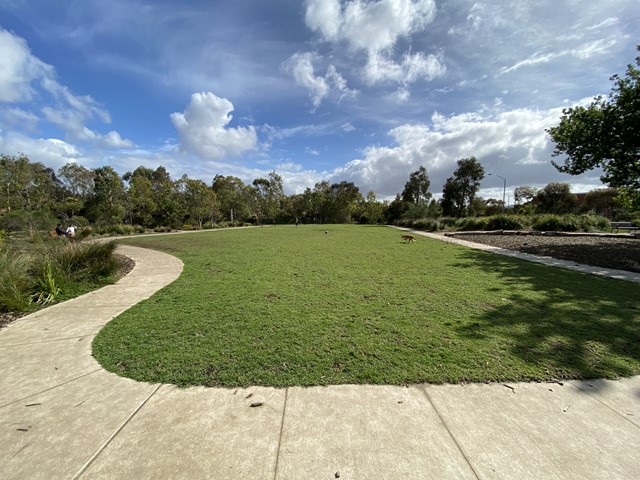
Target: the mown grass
pixel 284 306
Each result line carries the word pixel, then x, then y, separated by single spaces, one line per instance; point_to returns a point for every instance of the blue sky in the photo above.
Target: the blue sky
pixel 359 90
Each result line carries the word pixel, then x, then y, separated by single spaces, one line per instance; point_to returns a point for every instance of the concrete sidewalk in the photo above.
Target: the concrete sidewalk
pixel 63 416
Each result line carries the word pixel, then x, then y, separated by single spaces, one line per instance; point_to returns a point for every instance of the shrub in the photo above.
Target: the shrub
pixel 446 222
pixel 427 224
pixel 15 282
pixel 555 223
pixel 471 223
pixel 162 229
pixel 504 222
pixel 590 223
pixel 46 290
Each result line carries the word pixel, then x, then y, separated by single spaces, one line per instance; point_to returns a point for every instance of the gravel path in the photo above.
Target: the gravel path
pixel 622 253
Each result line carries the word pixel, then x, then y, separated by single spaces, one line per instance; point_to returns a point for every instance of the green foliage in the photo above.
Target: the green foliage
pixel 556 198
pixel 471 224
pixel 426 224
pixel 416 190
pixel 460 190
pixel 445 222
pixel 504 222
pixel 15 281
pixel 605 134
pixel 555 223
pixel 47 290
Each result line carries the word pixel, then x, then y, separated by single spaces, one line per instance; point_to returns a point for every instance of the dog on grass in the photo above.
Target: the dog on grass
pixel 408 238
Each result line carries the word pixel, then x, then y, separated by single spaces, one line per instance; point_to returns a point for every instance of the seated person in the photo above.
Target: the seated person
pixel 71 231
pixel 59 231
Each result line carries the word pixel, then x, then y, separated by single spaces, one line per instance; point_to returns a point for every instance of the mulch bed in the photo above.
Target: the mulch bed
pixel 619 252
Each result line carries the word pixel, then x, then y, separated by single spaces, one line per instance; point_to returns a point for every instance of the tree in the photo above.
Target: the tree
pixel 25 185
pixel 606 134
pixel 556 198
pixel 201 201
pixel 107 206
pixel 269 194
pixel 604 201
pixel 416 190
pixel 524 194
pixel 460 190
pixel 232 195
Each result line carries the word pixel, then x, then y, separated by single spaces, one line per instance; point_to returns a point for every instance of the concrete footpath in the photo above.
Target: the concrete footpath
pixel 63 417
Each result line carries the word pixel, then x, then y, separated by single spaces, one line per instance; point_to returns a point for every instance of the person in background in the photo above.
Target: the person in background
pixel 60 231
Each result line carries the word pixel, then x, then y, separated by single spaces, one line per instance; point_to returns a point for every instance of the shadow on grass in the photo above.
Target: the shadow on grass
pixel 625 257
pixel 571 326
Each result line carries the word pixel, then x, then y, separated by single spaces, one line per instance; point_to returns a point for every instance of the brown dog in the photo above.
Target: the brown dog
pixel 408 238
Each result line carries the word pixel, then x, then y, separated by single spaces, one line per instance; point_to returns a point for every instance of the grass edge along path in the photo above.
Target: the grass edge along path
pixel 337 304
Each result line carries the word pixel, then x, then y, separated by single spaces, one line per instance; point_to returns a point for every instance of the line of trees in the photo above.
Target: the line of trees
pixel 33 196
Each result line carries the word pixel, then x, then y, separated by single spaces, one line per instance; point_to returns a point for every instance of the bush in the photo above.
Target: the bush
pixel 504 222
pixel 446 222
pixel 471 224
pixel 162 229
pixel 591 223
pixel 15 282
pixel 426 224
pixel 556 223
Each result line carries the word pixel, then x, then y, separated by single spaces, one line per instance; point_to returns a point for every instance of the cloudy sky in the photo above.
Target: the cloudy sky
pixel 358 90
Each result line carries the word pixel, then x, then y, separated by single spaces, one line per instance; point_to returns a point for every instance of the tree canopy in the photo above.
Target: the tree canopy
pixel 459 191
pixel 606 134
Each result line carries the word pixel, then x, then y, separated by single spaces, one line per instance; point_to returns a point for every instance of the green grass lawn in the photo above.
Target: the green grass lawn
pixel 284 306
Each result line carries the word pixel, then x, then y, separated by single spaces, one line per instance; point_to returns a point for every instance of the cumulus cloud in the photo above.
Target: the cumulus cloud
pixel 301 66
pixel 375 28
pixel 203 130
pixel 368 25
pixel 511 143
pixel 49 151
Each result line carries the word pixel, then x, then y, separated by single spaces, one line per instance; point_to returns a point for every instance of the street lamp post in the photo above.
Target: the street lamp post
pixel 504 188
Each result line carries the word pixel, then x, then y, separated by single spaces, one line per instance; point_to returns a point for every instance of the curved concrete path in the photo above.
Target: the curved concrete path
pixel 63 416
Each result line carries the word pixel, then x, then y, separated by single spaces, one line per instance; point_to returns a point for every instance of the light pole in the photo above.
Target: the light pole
pixel 504 188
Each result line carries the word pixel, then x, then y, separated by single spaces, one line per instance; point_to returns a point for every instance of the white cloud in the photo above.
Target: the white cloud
pixel 17 117
pixel 412 67
pixel 368 25
pixel 18 69
pixel 25 78
pixel 510 143
pixel 203 130
pixel 300 66
pixel 51 152
pixel 375 27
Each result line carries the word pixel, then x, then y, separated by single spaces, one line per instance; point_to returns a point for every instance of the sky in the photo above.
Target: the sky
pixel 365 91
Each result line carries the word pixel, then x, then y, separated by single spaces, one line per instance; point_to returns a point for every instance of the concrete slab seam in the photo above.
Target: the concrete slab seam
pixel 52 388
pixel 605 405
pixel 284 411
pixel 424 390
pixel 50 340
pixel 113 435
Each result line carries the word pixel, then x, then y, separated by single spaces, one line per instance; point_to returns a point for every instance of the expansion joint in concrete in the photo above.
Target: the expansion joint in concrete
pixel 424 390
pixel 284 411
pixel 114 435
